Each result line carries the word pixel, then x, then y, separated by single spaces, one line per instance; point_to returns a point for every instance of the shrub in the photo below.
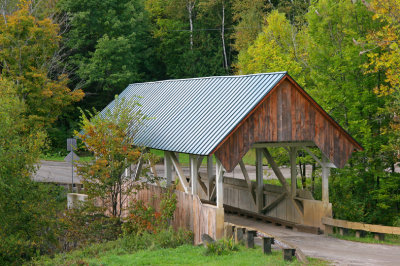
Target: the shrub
pixel 221 247
pixel 145 218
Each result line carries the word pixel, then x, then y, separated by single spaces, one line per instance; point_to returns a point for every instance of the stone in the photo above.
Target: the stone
pixel 206 239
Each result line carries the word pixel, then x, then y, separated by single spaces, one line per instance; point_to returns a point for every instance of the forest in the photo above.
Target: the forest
pixel 59 56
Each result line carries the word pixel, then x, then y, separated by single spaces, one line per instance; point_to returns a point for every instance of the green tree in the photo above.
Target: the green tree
pixel 28 210
pixel 110 137
pixel 27 46
pixel 110 45
pixel 280 46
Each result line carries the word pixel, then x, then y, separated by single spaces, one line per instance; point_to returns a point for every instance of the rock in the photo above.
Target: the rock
pixel 207 239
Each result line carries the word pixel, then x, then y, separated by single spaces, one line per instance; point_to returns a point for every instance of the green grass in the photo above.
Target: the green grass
pixel 248 159
pixel 183 255
pixel 369 238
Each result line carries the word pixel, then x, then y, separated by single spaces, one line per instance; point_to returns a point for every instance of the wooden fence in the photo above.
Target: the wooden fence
pixel 378 230
pixel 190 212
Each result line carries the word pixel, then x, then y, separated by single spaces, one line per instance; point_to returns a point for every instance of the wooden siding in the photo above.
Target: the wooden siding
pixel 190 212
pixel 287 114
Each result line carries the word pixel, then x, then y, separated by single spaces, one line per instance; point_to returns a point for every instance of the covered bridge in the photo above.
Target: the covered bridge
pixel 225 117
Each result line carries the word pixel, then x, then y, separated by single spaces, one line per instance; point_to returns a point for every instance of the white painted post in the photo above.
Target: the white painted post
pixel 193 173
pixel 259 180
pixel 219 184
pixel 326 171
pixel 293 170
pixel 167 168
pixel 209 175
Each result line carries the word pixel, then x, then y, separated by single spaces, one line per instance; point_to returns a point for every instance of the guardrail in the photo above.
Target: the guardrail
pixel 379 231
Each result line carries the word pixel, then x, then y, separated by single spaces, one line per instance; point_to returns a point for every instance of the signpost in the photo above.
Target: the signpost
pixel 71 157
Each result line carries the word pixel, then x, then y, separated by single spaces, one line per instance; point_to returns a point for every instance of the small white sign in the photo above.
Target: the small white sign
pixel 71 157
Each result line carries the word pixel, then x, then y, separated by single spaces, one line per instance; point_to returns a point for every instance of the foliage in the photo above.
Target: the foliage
pixel 127 244
pixel 221 247
pixel 110 137
pixel 27 209
pixel 109 42
pixel 275 49
pixel 86 225
pixel 27 47
pixel 143 218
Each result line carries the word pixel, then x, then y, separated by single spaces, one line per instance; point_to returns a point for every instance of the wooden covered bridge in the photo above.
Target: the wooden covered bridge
pixel 223 118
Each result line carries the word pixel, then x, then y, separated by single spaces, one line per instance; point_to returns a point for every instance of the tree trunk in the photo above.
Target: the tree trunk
pixel 190 6
pixel 225 63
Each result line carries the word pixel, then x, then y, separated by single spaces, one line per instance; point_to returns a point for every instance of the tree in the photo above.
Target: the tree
pixel 278 47
pixel 110 137
pixel 28 210
pixel 27 46
pixel 110 45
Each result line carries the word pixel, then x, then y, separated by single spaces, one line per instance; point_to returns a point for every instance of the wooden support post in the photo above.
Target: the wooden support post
pixel 288 254
pixel 360 233
pixel 210 175
pixel 259 180
pixel 281 178
pixel 250 238
pixel 219 184
pixel 293 170
pixel 194 173
pixel 325 180
pixel 343 231
pixel 238 235
pixel 379 236
pixel 248 181
pixel 168 168
pixel 138 170
pixel 179 171
pixel 266 244
pixel 228 231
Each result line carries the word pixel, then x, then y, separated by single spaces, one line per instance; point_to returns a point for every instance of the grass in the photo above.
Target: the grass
pixel 248 159
pixel 183 255
pixel 369 238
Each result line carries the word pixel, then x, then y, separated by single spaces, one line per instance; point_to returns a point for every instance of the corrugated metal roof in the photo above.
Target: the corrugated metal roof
pixel 195 115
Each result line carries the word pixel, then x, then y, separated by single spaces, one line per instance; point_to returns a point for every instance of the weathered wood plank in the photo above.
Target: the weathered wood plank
pixel 373 228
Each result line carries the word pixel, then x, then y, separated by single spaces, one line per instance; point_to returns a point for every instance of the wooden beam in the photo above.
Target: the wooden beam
pixel 293 170
pixel 373 228
pixel 168 168
pixel 202 185
pixel 283 144
pixel 210 175
pixel 259 180
pixel 219 184
pixel 248 181
pixel 325 180
pixel 154 172
pixel 274 203
pixel 276 169
pixel 281 178
pixel 330 165
pixel 138 169
pixel 179 171
pixel 194 173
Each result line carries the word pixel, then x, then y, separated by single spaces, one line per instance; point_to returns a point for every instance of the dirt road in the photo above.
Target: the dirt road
pixel 339 252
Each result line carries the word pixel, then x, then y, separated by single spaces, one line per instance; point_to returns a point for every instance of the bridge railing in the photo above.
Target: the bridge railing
pixel 379 231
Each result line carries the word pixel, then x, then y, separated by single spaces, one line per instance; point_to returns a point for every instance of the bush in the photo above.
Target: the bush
pixel 124 245
pixel 87 225
pixel 221 247
pixel 145 218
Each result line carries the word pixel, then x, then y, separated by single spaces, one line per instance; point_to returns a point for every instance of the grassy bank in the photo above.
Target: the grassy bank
pixel 182 255
pixel 369 238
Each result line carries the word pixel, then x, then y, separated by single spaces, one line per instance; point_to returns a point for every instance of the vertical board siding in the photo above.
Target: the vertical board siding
pixel 190 212
pixel 286 115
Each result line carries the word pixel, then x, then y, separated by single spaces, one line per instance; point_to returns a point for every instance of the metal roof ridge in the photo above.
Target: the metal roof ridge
pixel 210 77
